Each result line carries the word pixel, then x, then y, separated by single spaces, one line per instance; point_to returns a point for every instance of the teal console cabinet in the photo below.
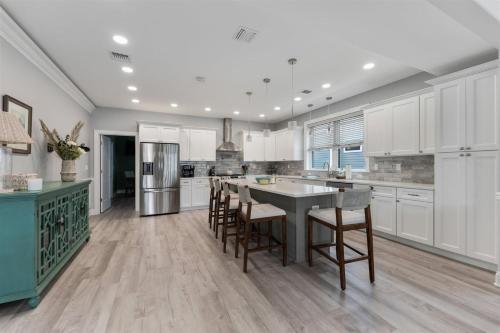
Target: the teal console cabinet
pixel 39 233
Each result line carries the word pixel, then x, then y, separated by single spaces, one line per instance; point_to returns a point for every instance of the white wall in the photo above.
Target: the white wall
pixel 20 79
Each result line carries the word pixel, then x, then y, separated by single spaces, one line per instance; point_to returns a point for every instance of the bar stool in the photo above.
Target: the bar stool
pixel 219 210
pixel 254 215
pixel 344 218
pixel 211 207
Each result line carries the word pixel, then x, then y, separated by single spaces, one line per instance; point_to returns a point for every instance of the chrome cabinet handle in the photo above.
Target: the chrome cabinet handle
pixel 461 155
pixel 468 154
pixel 462 148
pixel 413 194
pixel 467 148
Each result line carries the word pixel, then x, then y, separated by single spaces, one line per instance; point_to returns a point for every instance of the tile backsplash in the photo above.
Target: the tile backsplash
pixel 414 169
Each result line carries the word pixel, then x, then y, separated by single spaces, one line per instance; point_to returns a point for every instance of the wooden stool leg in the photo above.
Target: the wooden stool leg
pixel 309 241
pixel 340 257
pixel 369 243
pixel 238 229
pixel 224 229
pixel 210 213
pixel 216 223
pixel 284 240
pixel 258 235
pixel 248 227
pixel 270 235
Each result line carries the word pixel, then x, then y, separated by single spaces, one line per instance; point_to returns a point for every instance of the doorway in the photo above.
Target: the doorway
pixel 117 171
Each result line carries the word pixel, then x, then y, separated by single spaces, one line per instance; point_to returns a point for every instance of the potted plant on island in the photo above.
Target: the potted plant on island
pixel 67 149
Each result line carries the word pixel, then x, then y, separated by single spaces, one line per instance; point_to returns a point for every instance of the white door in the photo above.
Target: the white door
pixel 427 124
pixel 482 112
pixel 169 134
pixel 450 116
pixel 449 208
pixel 184 145
pixel 106 172
pixel 405 126
pixel 482 168
pixel 415 221
pixel 378 131
pixel 383 212
pixel 270 148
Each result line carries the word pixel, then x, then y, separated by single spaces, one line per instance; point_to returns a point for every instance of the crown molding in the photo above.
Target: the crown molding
pixel 17 38
pixel 490 65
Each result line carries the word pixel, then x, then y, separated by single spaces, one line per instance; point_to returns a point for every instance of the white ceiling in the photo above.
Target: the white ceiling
pixel 172 42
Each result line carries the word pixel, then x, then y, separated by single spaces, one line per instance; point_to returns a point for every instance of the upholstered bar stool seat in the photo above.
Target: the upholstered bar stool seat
pixel 328 215
pixel 262 211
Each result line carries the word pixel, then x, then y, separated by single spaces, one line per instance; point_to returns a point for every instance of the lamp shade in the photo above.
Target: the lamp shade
pixel 11 130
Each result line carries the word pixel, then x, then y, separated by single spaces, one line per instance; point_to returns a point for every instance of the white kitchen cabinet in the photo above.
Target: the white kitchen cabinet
pixel 202 145
pixel 186 193
pixel 378 131
pixel 427 124
pixel 450 116
pixel 450 202
pixel 415 215
pixel 253 151
pixel 184 144
pixel 383 209
pixel 289 145
pixel 482 111
pixel 405 127
pixel 270 148
pixel 200 192
pixel 149 133
pixel 481 169
pixel 169 134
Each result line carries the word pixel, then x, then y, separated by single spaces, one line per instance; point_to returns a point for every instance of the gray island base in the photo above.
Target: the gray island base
pixel 296 200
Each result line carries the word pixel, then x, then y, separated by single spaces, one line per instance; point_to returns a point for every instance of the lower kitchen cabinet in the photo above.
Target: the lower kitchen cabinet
pixel 195 193
pixel 185 193
pixel 383 209
pixel 415 221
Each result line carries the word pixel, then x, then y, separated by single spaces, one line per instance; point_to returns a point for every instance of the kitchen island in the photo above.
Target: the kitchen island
pixel 296 200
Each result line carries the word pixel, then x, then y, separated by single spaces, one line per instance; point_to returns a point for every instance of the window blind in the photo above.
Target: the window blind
pixel 340 133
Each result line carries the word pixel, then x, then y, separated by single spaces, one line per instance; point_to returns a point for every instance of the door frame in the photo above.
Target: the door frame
pixel 97 166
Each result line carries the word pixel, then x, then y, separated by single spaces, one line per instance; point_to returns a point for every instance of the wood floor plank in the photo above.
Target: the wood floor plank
pixel 168 274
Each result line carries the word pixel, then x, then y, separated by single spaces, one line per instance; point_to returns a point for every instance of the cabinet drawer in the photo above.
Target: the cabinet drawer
pixel 185 182
pixel 384 191
pixel 417 195
pixel 200 181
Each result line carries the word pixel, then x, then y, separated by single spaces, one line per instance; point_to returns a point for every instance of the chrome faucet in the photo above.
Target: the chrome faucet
pixel 330 173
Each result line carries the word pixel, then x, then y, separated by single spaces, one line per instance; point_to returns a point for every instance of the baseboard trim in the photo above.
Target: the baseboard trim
pixel 93 212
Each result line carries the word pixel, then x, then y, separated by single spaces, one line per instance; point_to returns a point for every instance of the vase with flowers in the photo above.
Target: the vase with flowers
pixel 68 149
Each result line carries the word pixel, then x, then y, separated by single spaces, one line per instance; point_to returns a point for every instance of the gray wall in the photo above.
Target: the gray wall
pixel 407 85
pixel 20 79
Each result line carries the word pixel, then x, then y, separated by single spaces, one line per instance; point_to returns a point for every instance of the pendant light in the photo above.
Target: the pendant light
pixel 292 124
pixel 267 131
pixel 249 135
pixel 328 99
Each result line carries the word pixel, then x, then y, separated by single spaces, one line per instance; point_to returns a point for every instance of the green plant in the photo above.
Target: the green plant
pixel 67 149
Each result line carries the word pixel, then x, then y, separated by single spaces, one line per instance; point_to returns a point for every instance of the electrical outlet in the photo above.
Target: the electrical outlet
pixel 375 167
pixel 397 166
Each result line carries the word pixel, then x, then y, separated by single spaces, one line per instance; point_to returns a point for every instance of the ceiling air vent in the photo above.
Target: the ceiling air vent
pixel 120 57
pixel 306 91
pixel 244 34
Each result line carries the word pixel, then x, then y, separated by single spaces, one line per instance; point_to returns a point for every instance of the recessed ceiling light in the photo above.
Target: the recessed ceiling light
pixel 368 66
pixel 127 69
pixel 132 88
pixel 208 109
pixel 326 85
pixel 135 100
pixel 174 105
pixel 262 115
pixel 236 112
pixel 277 108
pixel 120 40
pixel 297 99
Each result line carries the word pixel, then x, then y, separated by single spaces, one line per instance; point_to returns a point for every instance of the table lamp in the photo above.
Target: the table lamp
pixel 11 131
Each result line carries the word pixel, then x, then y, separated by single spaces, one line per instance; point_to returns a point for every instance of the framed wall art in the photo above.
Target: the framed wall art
pixel 24 113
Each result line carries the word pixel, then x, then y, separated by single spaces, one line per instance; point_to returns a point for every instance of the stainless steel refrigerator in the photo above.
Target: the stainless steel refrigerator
pixel 160 178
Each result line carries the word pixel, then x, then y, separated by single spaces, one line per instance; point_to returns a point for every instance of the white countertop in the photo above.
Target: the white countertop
pixel 416 186
pixel 293 190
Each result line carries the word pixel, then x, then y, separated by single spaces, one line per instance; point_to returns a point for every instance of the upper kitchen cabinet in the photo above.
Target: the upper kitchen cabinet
pixel 253 150
pixel 290 145
pixel 393 128
pixel 159 133
pixel 427 124
pixel 202 145
pixel 270 148
pixel 467 111
pixel 184 144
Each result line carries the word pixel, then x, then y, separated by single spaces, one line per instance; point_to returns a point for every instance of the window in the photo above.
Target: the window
pixel 338 142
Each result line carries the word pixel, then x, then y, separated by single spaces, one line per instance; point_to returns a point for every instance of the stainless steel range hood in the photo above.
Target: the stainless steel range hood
pixel 227 144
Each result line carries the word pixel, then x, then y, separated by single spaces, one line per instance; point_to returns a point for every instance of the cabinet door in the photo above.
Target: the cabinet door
pixel 184 145
pixel 202 145
pixel 427 124
pixel 253 151
pixel 482 168
pixel 405 126
pixel 282 146
pixel 383 212
pixel 378 131
pixel 62 226
pixel 270 148
pixel 200 195
pixel 449 208
pixel 450 116
pixel 185 196
pixel 169 134
pixel 47 249
pixel 415 221
pixel 482 111
pixel 149 133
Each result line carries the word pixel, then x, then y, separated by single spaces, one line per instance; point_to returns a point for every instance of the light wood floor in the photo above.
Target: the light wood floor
pixel 168 274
